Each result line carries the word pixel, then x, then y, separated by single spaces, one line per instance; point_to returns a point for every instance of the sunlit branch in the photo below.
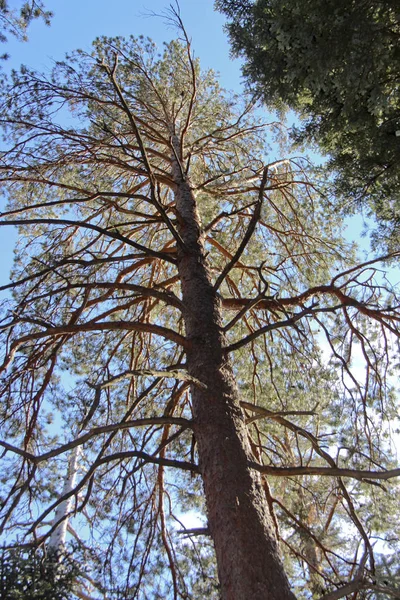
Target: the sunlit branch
pixel 270 327
pixel 361 475
pixel 73 261
pixel 265 413
pixel 247 237
pixel 171 374
pixel 95 431
pixel 141 292
pixel 113 233
pixel 105 198
pixel 168 334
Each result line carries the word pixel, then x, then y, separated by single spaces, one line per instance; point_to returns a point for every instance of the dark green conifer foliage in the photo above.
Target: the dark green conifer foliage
pixel 337 63
pixel 29 574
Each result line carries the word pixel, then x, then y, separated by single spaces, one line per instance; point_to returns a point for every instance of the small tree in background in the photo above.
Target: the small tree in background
pixel 171 291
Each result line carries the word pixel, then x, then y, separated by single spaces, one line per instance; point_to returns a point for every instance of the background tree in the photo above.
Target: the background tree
pixel 170 292
pixel 343 80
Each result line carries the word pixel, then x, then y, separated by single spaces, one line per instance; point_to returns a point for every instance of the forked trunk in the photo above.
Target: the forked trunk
pixel 249 565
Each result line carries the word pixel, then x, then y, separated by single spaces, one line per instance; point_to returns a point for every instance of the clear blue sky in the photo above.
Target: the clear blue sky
pixel 76 23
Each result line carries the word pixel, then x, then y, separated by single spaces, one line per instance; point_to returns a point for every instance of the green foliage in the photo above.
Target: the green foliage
pixel 337 63
pixel 16 20
pixel 35 575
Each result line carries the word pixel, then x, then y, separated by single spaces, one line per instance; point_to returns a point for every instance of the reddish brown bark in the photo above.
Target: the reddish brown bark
pixel 249 565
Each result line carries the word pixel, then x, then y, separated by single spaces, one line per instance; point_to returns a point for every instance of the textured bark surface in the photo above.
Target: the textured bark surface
pixel 249 565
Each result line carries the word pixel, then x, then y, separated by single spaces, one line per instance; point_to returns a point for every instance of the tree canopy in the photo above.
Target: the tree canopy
pixel 187 333
pixel 337 63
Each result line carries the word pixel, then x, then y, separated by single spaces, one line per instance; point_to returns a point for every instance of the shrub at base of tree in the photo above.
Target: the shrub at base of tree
pixel 29 574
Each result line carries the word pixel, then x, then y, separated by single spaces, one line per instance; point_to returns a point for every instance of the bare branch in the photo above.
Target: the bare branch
pixel 325 472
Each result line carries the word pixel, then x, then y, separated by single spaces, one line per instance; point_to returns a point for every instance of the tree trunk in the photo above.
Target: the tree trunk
pixel 241 526
pixel 58 537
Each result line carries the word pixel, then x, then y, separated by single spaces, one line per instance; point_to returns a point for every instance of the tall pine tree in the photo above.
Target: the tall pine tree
pixel 171 291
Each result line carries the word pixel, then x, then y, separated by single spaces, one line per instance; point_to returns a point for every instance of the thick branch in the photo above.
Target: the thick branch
pixel 248 235
pixel 325 472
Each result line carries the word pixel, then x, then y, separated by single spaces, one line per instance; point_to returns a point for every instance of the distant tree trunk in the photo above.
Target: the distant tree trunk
pixel 58 537
pixel 241 526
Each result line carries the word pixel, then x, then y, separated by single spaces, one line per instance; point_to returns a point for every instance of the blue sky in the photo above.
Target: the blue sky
pixel 77 22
